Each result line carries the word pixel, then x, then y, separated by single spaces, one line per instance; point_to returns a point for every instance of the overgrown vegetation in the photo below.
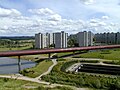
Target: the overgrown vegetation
pixel 89 61
pixel 16 44
pixel 68 64
pixel 113 54
pixel 115 62
pixel 55 88
pixel 14 84
pixel 40 68
pixel 81 79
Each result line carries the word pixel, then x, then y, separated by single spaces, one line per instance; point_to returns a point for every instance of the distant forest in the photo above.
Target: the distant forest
pixel 17 37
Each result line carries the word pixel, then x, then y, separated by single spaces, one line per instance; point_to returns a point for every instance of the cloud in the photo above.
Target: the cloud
pixel 9 12
pixel 49 21
pixel 105 17
pixel 87 2
pixel 45 13
pixel 42 11
pixel 55 17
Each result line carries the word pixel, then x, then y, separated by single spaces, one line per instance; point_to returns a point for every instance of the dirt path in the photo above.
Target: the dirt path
pixel 38 80
pixel 49 69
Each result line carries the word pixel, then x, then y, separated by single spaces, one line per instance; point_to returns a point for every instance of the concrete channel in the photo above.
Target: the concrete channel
pixel 101 69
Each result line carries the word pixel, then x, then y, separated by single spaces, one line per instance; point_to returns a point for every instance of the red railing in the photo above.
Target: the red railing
pixel 47 51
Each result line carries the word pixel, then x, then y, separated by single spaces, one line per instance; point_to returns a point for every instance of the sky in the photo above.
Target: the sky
pixel 28 17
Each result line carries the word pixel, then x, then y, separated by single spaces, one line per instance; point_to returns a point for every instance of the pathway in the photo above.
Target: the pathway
pixel 38 79
pixel 49 69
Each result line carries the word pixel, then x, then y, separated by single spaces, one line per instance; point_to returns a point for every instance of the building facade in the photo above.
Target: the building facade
pixel 45 40
pixel 38 40
pixel 90 38
pixel 107 38
pixel 84 38
pixel 60 39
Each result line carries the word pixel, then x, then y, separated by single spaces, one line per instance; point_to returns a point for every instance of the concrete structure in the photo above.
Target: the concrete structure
pixel 107 38
pixel 60 39
pixel 45 40
pixel 82 38
pixel 90 38
pixel 38 40
pixel 85 38
pixel 49 39
pixel 118 38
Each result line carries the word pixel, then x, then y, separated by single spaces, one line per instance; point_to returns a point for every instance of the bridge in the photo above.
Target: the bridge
pixel 49 51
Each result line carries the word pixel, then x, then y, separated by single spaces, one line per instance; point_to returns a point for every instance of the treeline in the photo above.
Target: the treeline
pixel 18 37
pixel 82 79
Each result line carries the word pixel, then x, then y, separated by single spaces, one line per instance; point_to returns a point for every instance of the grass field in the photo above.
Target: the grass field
pixel 15 48
pixel 113 54
pixel 40 68
pixel 97 82
pixel 12 84
pixel 15 45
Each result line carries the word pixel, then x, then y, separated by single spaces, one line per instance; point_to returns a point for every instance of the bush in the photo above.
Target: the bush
pixel 68 64
pixel 112 62
pixel 80 79
pixel 105 52
pixel 90 61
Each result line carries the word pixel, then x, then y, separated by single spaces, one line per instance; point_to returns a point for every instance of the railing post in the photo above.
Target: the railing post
pixel 49 56
pixel 19 64
pixel 73 52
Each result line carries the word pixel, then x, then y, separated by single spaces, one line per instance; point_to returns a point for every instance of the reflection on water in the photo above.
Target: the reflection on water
pixel 10 65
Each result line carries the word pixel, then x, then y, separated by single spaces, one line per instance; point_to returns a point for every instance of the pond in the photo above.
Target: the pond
pixel 10 65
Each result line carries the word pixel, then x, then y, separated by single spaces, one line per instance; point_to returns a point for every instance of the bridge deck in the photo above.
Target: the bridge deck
pixel 47 51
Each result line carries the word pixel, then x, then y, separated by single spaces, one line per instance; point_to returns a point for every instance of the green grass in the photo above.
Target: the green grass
pixel 99 82
pixel 9 49
pixel 65 53
pixel 40 68
pixel 105 54
pixel 114 62
pixel 21 46
pixel 12 84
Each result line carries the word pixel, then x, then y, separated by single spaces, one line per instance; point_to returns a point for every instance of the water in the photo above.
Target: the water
pixel 10 65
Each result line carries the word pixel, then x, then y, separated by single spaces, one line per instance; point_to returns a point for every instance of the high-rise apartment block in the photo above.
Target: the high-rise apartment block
pixel 108 38
pixel 59 39
pixel 38 40
pixel 84 38
pixel 43 40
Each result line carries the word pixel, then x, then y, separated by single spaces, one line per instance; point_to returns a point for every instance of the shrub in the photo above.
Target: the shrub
pixel 68 64
pixel 90 61
pixel 80 79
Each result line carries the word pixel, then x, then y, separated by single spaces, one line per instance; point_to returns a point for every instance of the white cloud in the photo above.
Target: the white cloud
pixel 45 13
pixel 87 2
pixel 52 22
pixel 9 12
pixel 55 17
pixel 42 11
pixel 105 17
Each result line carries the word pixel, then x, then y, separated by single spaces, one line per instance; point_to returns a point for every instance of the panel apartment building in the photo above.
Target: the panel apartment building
pixel 59 39
pixel 43 40
pixel 84 38
pixel 107 38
